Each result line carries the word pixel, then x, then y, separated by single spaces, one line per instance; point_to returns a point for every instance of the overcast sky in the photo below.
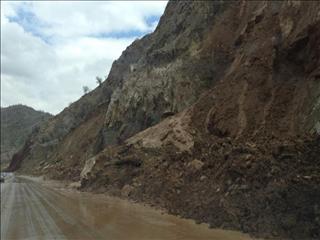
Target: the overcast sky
pixel 49 50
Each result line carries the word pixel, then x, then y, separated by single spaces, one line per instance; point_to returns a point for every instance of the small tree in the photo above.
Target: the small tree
pixel 99 80
pixel 85 89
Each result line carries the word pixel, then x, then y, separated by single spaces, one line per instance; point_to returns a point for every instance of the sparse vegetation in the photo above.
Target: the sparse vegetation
pixel 85 89
pixel 99 80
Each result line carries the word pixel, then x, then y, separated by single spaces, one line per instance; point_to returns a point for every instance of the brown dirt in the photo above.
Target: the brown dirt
pixel 71 155
pixel 251 131
pixel 245 156
pixel 269 189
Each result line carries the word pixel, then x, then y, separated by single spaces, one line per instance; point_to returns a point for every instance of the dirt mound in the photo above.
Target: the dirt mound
pixel 269 189
pixel 175 131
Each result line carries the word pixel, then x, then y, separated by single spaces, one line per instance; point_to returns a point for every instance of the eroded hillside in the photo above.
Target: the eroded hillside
pixel 214 116
pixel 157 76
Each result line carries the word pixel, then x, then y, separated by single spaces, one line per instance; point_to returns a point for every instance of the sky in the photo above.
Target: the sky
pixel 51 49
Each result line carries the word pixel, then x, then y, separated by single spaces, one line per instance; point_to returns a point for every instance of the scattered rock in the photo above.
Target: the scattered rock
pixel 75 185
pixel 87 168
pixel 196 164
pixel 202 178
pixel 126 190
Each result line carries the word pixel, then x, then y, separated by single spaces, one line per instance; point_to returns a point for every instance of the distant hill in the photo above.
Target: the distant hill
pixel 17 122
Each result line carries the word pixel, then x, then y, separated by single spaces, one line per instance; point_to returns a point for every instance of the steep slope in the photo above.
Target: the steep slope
pixel 17 122
pixel 246 154
pixel 242 149
pixel 155 77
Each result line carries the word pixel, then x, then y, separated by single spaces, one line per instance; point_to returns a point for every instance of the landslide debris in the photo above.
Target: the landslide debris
pixel 245 155
pixel 215 116
pixel 269 188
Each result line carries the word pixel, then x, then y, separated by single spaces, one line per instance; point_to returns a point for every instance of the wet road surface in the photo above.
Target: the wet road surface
pixel 32 210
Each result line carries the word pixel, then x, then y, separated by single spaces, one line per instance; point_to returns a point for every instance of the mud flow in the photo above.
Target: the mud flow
pixel 31 210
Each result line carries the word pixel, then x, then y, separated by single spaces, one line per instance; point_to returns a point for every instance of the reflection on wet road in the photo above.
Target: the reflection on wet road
pixel 31 210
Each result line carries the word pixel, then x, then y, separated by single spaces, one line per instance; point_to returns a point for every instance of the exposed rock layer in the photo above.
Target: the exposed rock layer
pixel 156 76
pixel 241 151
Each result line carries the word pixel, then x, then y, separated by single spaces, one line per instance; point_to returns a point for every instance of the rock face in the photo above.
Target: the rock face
pixel 165 71
pixel 17 123
pixel 156 76
pixel 253 134
pixel 214 116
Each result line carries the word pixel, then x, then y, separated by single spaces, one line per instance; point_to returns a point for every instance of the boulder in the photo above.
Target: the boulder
pixel 87 169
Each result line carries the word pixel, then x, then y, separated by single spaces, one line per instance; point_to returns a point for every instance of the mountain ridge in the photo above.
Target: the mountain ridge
pixel 17 122
pixel 213 116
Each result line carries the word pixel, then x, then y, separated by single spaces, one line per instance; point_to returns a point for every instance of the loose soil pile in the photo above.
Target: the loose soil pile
pixel 269 189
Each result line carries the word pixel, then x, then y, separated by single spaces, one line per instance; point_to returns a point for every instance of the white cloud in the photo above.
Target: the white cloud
pixel 83 18
pixel 51 49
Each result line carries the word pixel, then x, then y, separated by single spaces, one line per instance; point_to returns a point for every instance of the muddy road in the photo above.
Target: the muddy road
pixel 33 210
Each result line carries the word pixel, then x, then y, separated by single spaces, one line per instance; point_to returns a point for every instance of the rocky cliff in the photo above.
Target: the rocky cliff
pixel 214 116
pixel 17 123
pixel 156 76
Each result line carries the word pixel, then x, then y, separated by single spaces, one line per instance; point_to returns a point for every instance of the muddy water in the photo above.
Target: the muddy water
pixel 30 210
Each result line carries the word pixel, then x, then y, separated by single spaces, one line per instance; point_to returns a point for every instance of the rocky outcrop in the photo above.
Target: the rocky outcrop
pixel 155 77
pixel 165 71
pixel 245 154
pixel 214 116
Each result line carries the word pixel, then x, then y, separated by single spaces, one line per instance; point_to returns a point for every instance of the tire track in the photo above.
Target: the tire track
pixel 48 226
pixel 61 214
pixel 7 203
